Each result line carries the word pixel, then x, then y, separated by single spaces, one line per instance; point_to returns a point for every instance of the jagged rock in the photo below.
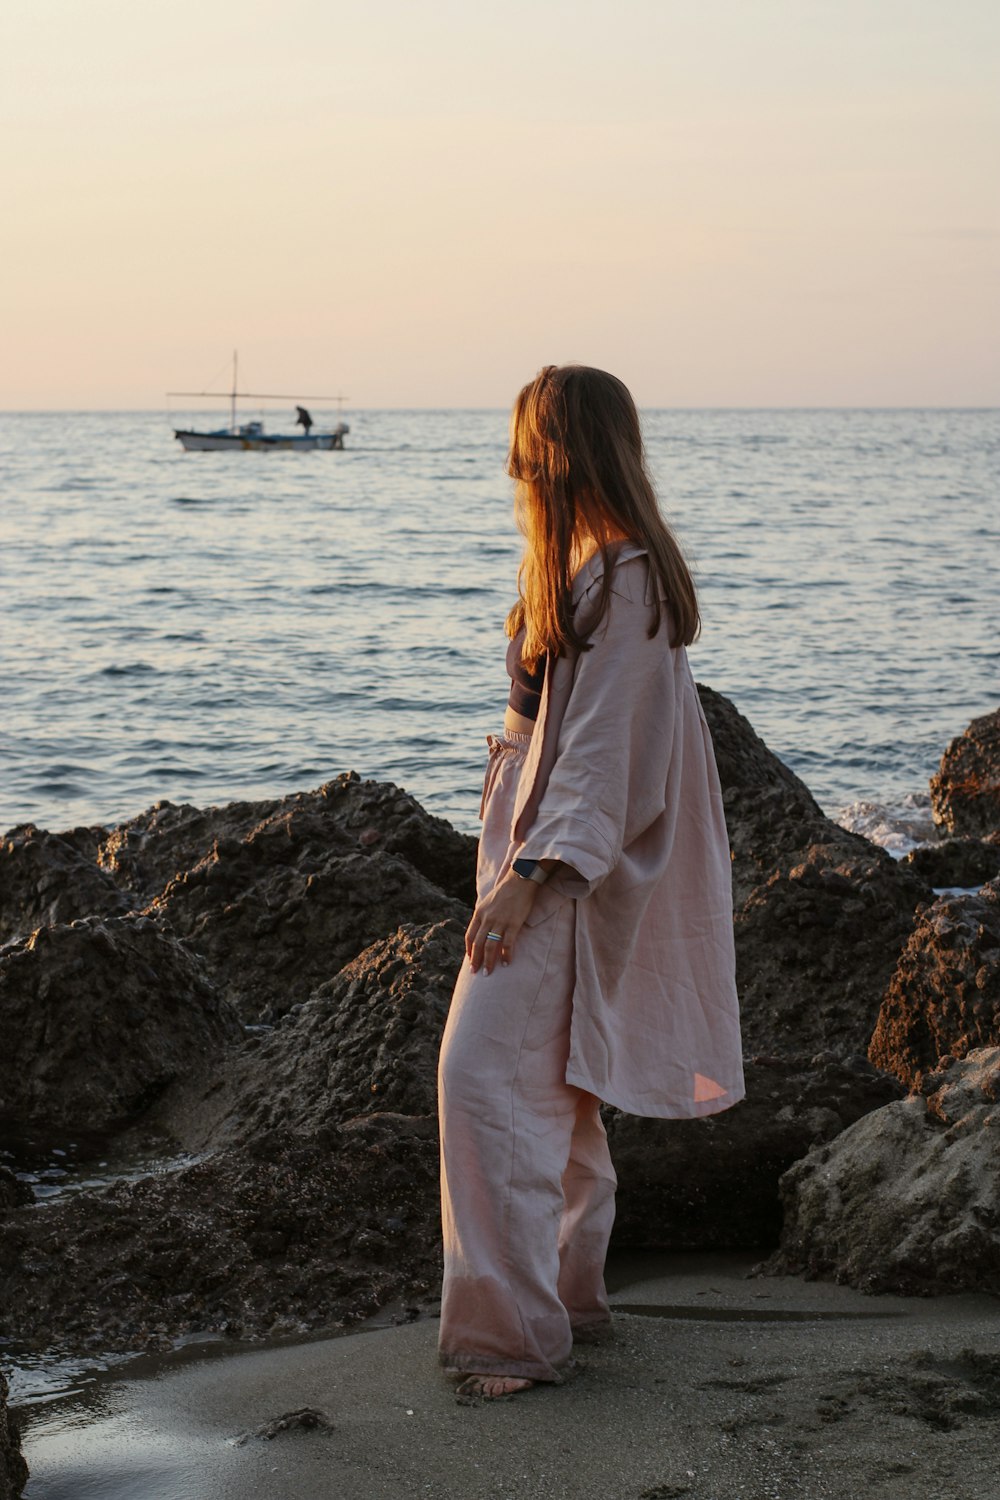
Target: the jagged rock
pixel 816 945
pixel 965 861
pixel 97 1018
pixel 712 1183
pixel 13 1192
pixel 965 792
pixel 907 1199
pixel 944 997
pixel 297 1232
pixel 309 1418
pixel 315 1204
pixel 275 895
pixel 768 808
pixel 273 920
pixel 145 853
pixel 365 1042
pixel 820 913
pixel 47 878
pixel 13 1469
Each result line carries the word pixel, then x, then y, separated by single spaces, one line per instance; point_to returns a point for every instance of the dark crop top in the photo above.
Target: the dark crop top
pixel 525 686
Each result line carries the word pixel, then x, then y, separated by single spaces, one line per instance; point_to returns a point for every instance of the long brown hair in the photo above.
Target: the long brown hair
pixel 577 458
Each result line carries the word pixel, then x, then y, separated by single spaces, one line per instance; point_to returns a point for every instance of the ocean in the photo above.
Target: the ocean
pixel 207 627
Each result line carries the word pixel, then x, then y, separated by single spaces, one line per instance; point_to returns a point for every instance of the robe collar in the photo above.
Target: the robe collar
pixel 593 568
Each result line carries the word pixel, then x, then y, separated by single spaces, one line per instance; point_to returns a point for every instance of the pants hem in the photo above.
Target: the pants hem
pixel 484 1364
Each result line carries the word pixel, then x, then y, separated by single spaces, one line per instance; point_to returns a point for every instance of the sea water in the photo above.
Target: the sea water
pixel 205 627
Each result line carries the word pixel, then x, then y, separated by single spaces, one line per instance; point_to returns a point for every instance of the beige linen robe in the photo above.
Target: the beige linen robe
pixel 621 784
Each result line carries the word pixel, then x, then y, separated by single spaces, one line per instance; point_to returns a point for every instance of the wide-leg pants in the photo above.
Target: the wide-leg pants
pixel 527 1185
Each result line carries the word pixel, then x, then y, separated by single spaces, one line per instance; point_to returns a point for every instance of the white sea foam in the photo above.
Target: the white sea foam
pixel 897 826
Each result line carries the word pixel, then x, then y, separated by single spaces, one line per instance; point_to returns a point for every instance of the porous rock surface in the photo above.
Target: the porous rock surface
pixel 47 878
pixel 99 1016
pixel 907 1199
pixel 272 927
pixel 965 791
pixel 365 1042
pixel 944 998
pixel 13 1192
pixel 295 1231
pixel 285 895
pixel 315 1197
pixel 962 861
pixel 145 853
pixel 712 1183
pixel 364 1047
pixel 820 913
pixel 275 895
pixel 13 1469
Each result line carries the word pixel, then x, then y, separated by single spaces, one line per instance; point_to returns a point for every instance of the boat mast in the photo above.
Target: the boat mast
pixel 232 399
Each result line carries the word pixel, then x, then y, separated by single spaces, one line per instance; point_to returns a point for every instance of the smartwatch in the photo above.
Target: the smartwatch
pixel 530 869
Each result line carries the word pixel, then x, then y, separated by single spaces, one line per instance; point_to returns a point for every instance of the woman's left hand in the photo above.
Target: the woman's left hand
pixel 503 911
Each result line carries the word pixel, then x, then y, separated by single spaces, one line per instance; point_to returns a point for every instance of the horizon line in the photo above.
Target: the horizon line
pixel 42 411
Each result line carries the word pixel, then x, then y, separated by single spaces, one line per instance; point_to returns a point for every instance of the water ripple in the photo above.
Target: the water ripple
pixel 302 618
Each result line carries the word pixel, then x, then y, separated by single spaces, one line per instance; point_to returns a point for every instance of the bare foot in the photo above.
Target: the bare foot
pixel 492 1387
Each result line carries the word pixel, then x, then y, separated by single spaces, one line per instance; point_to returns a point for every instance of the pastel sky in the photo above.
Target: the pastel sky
pixel 726 202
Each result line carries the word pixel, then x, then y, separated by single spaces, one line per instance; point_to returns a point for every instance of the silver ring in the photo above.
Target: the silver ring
pixel 494 937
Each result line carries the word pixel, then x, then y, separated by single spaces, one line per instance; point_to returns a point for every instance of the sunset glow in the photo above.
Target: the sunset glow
pixel 784 203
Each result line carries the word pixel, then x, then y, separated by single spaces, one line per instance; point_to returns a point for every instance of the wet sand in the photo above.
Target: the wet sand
pixel 715 1387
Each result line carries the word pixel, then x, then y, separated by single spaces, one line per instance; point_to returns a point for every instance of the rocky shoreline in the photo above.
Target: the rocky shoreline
pixel 258 991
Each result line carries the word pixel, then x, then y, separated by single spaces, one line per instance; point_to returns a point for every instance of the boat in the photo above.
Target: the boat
pixel 251 436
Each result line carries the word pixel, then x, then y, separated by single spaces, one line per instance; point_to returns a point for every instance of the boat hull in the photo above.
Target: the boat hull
pixel 231 442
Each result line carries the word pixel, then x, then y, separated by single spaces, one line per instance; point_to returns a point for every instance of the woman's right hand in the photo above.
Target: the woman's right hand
pixel 505 911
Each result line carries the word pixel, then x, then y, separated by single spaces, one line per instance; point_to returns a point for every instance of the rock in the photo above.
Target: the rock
pixel 13 1469
pixel 273 919
pixel 316 1202
pixel 365 1042
pixel 13 1192
pixel 712 1184
pixel 275 895
pixel 907 1199
pixel 308 1418
pixel 768 808
pixel 47 878
pixel 965 792
pixel 963 861
pixel 299 1232
pixel 816 945
pixel 820 913
pixel 944 997
pixel 98 1017
pixel 147 852
pixel 338 915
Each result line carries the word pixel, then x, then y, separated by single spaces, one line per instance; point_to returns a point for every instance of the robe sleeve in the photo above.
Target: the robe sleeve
pixel 605 776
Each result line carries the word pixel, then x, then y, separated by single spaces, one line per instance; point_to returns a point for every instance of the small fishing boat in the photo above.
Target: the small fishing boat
pixel 251 436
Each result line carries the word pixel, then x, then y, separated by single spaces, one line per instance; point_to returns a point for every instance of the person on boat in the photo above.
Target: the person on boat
pixel 599 960
pixel 303 420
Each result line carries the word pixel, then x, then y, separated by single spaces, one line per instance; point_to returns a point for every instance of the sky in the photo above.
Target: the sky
pixel 725 202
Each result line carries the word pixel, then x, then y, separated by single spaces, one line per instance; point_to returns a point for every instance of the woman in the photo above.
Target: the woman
pixel 599 959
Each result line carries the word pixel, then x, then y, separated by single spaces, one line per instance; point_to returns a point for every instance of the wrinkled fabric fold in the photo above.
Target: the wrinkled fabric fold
pixel 621 988
pixel 620 783
pixel 527 1186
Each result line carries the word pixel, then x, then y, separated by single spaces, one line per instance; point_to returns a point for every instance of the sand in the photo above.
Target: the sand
pixel 714 1387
